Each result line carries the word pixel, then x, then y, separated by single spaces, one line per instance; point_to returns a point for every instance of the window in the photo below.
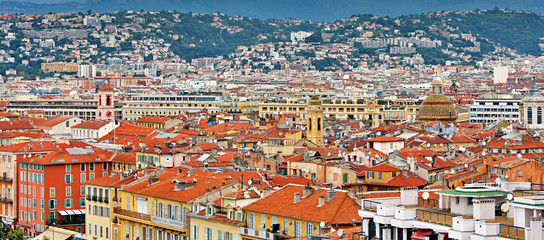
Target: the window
pixel 251 220
pixel 68 178
pixel 195 232
pixel 91 176
pixel 529 115
pixel 91 166
pixel 104 166
pixel 68 168
pixel 68 203
pixel 310 229
pixel 345 178
pixel 298 229
pixel 379 175
pixel 208 234
pixel 82 167
pixel 469 201
pixel 82 177
pixel 52 192
pixel 52 204
pixel 82 202
pixel 68 191
pixel 520 173
pixel 457 200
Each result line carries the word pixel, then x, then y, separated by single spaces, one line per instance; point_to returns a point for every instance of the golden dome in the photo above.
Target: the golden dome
pixel 437 107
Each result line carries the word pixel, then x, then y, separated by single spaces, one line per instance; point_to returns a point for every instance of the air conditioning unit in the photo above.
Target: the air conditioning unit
pixel 126 235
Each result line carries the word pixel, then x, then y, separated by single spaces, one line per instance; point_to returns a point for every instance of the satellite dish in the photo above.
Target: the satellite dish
pixel 340 233
pixel 498 181
pixel 519 155
pixel 483 154
pixel 505 207
pixel 249 182
pixel 510 197
pixel 466 165
pixel 425 195
pixel 322 224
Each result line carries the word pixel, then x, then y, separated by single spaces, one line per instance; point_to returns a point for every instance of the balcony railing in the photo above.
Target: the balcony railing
pixel 95 198
pixel 370 204
pixel 6 200
pixel 434 217
pixel 256 233
pixel 6 179
pixel 509 231
pixel 128 213
pixel 430 203
pixel 171 222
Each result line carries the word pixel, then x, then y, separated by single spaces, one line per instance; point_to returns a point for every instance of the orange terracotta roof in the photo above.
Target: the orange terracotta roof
pixel 92 124
pixel 342 209
pixel 54 121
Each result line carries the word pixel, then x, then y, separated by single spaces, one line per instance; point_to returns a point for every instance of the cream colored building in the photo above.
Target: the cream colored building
pixel 168 105
pixel 342 109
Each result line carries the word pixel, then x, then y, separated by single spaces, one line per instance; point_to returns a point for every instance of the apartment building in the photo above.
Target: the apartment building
pixel 476 211
pixel 52 187
pixel 490 110
pixel 371 111
pixel 86 109
pixel 168 105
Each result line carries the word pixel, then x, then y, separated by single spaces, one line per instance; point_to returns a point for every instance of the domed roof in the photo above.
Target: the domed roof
pixel 437 80
pixel 437 107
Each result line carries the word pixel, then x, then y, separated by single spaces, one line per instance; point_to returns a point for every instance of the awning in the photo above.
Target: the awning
pixel 420 234
pixel 72 212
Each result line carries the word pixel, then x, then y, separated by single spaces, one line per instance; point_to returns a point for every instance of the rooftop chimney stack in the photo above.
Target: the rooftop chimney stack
pixel 331 194
pixel 296 198
pixel 321 201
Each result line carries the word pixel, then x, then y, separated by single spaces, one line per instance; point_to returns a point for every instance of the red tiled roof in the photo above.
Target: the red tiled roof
pixel 386 139
pixel 340 210
pixel 54 121
pixel 92 124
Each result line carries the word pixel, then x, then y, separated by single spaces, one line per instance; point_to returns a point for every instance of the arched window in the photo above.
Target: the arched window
pixel 319 124
pixel 529 115
pixel 310 124
pixel 539 115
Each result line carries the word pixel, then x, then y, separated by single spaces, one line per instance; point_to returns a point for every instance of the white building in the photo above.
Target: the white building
pixel 86 71
pixel 93 129
pixel 533 104
pixel 490 110
pixel 472 212
pixel 500 74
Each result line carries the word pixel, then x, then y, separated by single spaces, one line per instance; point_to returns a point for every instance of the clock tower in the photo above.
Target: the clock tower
pixel 105 102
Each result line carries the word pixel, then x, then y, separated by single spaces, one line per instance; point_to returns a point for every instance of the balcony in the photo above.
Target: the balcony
pixel 88 197
pixel 170 222
pixel 95 198
pixel 6 200
pixel 256 233
pixel 6 179
pixel 127 213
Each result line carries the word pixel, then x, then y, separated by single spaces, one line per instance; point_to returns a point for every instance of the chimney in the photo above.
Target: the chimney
pixel 266 192
pixel 331 194
pixel 214 187
pixel 321 201
pixel 190 172
pixel 307 191
pixel 246 194
pixel 207 188
pixel 351 193
pixel 297 197
pixel 180 170
pixel 223 183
